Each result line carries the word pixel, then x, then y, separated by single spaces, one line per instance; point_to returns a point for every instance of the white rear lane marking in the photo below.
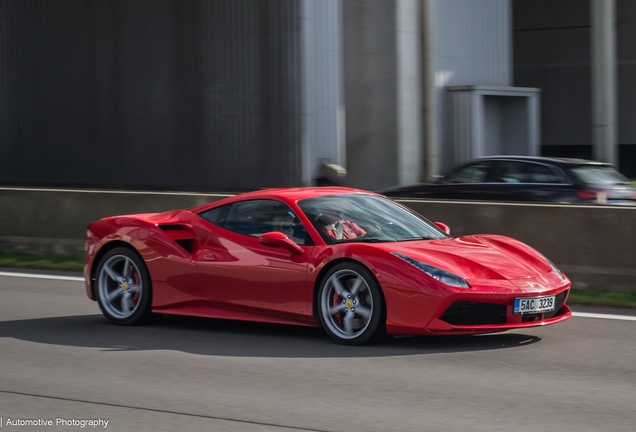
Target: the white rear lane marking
pixel 42 276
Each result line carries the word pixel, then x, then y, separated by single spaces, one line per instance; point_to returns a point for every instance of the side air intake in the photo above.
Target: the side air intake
pixel 181 235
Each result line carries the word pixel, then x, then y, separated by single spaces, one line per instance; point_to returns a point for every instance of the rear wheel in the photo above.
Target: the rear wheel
pixel 351 308
pixel 124 293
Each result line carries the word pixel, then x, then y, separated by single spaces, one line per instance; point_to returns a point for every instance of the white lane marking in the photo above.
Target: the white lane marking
pixel 604 316
pixel 43 276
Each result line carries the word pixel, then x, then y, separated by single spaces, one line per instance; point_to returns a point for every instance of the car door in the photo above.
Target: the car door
pixel 542 183
pixel 506 181
pixel 524 181
pixel 241 274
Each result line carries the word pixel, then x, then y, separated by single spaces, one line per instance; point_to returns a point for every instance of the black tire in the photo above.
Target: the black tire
pixel 131 296
pixel 341 316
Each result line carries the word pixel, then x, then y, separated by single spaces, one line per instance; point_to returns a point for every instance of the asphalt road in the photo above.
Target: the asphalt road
pixel 59 358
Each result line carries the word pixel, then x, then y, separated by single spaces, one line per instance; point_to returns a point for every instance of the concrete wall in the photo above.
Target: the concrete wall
pixel 409 103
pixel 382 92
pixel 552 52
pixel 626 57
pixel 594 245
pixel 44 221
pixel 626 70
pixel 370 76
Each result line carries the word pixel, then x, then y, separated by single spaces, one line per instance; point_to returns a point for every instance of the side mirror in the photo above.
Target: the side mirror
pixel 443 227
pixel 278 239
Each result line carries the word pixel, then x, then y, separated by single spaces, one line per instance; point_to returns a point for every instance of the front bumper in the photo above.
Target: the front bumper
pixel 484 308
pixel 512 322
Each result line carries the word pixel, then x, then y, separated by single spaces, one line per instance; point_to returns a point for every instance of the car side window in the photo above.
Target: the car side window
pixel 475 173
pixel 540 174
pixel 256 217
pixel 216 215
pixel 522 172
pixel 508 172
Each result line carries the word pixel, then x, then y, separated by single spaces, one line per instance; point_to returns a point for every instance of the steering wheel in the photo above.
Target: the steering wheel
pixel 378 228
pixel 385 225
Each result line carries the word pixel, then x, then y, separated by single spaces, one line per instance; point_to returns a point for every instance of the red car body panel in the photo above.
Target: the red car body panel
pixel 233 276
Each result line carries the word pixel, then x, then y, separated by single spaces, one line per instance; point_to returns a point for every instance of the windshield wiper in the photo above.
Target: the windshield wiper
pixel 415 238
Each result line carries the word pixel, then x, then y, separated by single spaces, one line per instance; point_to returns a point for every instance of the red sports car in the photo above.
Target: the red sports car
pixel 356 263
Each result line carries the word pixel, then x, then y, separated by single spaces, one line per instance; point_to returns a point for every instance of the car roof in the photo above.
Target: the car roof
pixel 285 195
pixel 553 160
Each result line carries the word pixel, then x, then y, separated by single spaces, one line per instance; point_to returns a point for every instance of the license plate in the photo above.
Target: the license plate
pixel 534 305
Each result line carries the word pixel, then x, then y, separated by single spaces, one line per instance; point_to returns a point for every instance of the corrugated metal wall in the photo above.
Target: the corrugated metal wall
pixel 473 46
pixel 460 125
pixel 150 93
pixel 473 42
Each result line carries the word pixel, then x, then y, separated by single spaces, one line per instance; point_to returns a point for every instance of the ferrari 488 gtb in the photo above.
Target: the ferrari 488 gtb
pixel 356 263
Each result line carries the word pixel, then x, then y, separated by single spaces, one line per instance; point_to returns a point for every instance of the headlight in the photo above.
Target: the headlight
pixel 443 276
pixel 556 270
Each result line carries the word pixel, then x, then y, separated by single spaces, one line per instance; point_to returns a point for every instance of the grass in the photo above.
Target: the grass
pixel 50 262
pixel 601 298
pixel 633 182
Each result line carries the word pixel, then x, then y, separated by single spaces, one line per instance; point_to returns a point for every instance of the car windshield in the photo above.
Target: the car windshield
pixel 358 217
pixel 599 175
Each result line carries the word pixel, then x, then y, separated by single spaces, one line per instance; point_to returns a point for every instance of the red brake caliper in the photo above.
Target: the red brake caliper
pixel 336 301
pixel 135 297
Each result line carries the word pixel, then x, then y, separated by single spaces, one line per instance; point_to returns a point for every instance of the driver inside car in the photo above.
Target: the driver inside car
pixel 340 229
pixel 284 223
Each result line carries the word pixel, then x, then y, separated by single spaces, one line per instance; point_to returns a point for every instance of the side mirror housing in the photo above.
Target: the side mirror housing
pixel 278 239
pixel 443 227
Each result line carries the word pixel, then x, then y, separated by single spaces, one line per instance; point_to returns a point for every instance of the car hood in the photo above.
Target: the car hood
pixel 477 257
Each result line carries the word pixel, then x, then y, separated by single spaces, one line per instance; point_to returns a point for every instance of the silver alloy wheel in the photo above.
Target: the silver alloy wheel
pixel 347 304
pixel 120 286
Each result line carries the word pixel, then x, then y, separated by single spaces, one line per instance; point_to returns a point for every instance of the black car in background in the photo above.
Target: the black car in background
pixel 526 178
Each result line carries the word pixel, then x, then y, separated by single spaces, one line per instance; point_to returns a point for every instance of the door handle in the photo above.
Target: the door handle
pixel 209 257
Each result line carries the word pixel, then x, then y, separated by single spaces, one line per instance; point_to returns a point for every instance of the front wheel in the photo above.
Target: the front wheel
pixel 351 307
pixel 123 287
